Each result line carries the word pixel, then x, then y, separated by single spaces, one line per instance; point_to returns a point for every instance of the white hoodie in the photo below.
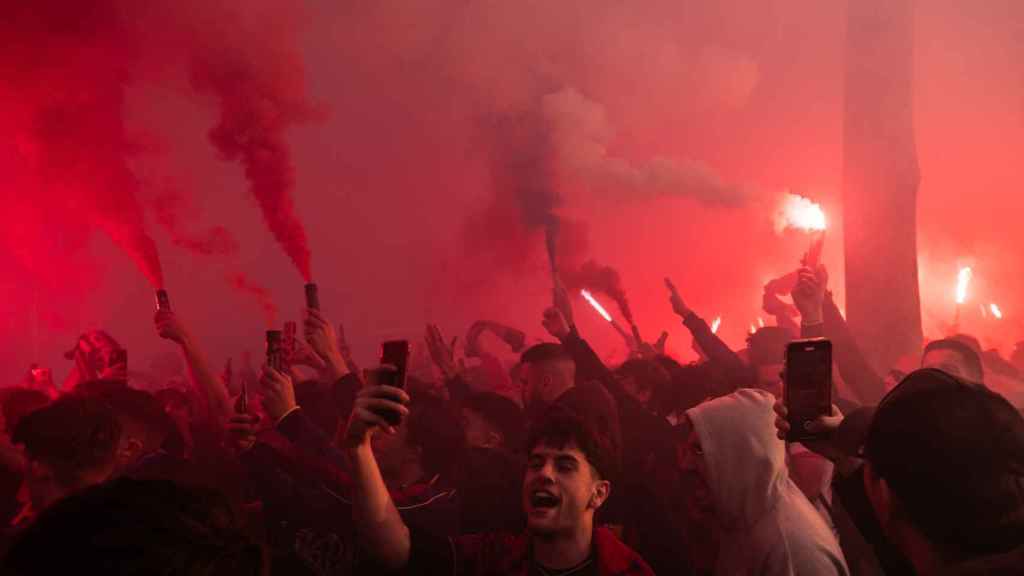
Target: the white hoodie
pixel 768 525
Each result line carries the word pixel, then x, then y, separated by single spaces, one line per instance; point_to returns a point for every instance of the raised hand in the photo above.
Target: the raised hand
pixel 346 352
pixel 824 425
pixel 555 323
pixel 169 327
pixel 442 353
pixel 278 393
pixel 366 418
pixel 678 305
pixel 809 293
pixel 240 431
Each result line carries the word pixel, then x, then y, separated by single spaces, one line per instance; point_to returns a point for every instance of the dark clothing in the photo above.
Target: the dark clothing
pixel 301 480
pixel 850 491
pixel 509 555
pixel 853 366
pixel 732 372
pixel 489 486
pixel 639 500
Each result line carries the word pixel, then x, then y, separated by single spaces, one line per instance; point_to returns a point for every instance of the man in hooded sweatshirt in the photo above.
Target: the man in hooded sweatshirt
pixel 739 489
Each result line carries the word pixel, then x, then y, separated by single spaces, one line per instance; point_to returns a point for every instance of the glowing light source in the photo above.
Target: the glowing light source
pixel 753 329
pixel 996 311
pixel 760 322
pixel 597 305
pixel 799 213
pixel 963 280
pixel 715 324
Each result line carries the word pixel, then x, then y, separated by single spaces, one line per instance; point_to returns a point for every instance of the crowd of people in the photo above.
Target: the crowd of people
pixel 521 460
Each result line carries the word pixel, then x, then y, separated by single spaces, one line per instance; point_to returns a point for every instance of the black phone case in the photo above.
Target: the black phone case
pixel 797 432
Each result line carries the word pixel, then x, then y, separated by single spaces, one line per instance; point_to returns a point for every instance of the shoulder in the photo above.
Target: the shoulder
pixel 808 544
pixel 490 553
pixel 615 558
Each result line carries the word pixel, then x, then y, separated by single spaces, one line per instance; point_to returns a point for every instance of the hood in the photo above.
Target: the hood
pixel 746 462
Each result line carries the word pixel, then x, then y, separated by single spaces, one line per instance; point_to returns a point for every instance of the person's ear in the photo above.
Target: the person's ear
pixel 600 494
pixel 878 492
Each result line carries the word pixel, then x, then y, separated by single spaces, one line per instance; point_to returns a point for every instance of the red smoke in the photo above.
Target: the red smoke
pixel 241 282
pixel 66 67
pixel 171 207
pixel 258 102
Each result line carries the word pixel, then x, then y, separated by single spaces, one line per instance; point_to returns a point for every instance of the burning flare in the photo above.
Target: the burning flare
pixel 597 305
pixel 963 280
pixel 715 324
pixel 799 213
pixel 996 311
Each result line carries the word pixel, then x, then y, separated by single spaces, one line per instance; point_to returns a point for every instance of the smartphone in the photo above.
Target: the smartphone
pixel 275 351
pixel 808 386
pixel 393 353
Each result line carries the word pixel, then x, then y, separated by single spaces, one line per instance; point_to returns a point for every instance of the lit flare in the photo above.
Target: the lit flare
pixel 597 305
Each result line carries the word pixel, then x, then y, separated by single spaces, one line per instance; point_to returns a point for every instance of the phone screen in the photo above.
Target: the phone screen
pixel 395 353
pixel 808 383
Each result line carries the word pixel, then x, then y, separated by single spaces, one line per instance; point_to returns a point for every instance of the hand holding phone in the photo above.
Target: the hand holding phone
pixel 808 386
pixel 394 361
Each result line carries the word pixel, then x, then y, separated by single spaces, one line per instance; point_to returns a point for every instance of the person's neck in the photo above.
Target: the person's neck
pixel 562 551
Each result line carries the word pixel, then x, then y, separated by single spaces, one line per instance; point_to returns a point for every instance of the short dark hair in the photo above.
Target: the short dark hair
pixel 543 353
pixel 560 427
pixel 767 346
pixel 502 413
pixel 139 411
pixel 648 374
pixel 970 357
pixel 73 436
pixel 433 427
pixel 952 452
pixel 137 527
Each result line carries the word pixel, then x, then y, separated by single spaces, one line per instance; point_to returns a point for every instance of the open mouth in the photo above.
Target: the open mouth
pixel 542 499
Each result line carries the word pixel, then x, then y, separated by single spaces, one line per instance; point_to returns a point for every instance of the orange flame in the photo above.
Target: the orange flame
pixel 996 311
pixel 715 324
pixel 799 213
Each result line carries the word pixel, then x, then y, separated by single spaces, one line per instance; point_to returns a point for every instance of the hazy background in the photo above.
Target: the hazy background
pixel 393 168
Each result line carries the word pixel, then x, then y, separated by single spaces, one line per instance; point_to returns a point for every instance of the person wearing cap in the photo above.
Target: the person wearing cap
pixel 738 487
pixel 938 467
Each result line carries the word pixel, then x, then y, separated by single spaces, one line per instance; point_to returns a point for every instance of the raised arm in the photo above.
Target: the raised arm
pixel 383 533
pixel 210 388
pixel 820 317
pixel 717 351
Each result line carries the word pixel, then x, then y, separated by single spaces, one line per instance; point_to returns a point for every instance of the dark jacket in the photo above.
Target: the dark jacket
pixel 509 555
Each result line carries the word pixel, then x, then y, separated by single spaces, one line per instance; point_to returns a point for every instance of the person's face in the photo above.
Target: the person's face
pixel 769 378
pixel 560 490
pixel 633 388
pixel 949 361
pixel 479 433
pixel 700 505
